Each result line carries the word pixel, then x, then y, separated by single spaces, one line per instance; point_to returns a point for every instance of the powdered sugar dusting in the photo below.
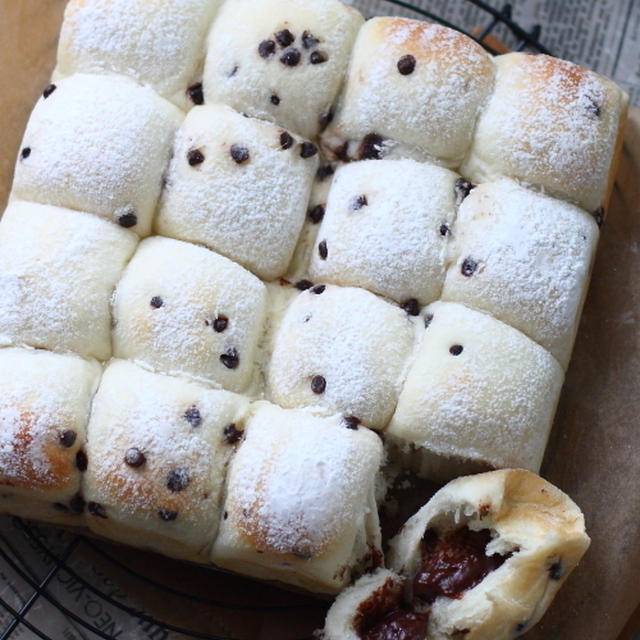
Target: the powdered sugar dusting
pixel 359 345
pixel 42 395
pixel 491 401
pixel 251 211
pixel 432 109
pixel 168 302
pixel 161 45
pixel 298 480
pixel 135 408
pixel 394 245
pixel 58 268
pixel 533 257
pixel 550 123
pixel 98 144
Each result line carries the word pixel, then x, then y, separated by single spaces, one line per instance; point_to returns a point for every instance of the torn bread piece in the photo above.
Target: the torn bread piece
pixel 300 504
pixel 44 410
pixel 482 560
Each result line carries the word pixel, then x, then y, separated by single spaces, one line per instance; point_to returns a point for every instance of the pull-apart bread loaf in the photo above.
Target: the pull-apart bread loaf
pixel 481 560
pixel 257 254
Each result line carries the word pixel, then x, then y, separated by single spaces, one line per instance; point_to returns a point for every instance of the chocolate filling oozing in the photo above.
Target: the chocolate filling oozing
pixel 383 616
pixel 454 563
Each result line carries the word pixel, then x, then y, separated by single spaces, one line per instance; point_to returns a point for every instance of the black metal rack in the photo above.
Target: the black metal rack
pixel 494 21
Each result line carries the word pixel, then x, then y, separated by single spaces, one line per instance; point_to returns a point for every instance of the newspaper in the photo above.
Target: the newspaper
pixel 603 35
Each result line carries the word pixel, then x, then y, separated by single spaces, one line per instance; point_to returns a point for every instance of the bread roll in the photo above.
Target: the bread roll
pixel 300 502
pixel 44 410
pixel 342 349
pixel 386 228
pixel 58 268
pixel 157 451
pixel 180 308
pixel 412 89
pixel 280 60
pixel 160 43
pixel 478 395
pixel 99 144
pixel 239 186
pixel 482 560
pixel 552 124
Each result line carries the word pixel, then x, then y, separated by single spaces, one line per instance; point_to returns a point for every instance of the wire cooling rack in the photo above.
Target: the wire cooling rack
pixel 77 585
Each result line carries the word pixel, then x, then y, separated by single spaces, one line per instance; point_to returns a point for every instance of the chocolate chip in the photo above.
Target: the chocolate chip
pixel 166 515
pixel 128 220
pixel 192 416
pixel 134 457
pixel 177 480
pixel 220 323
pixel 323 252
pixel 156 302
pixel 316 213
pixel 342 152
pixel 232 434
pixel 427 320
pixel 351 422
pixel 266 48
pixel 225 515
pixel 308 150
pixel 286 140
pixel 463 188
pixel 593 107
pixel 309 40
pixel 324 171
pixel 81 460
pixel 290 58
pixel 285 38
pixel 406 64
pixel 411 306
pixel 67 438
pixel 444 230
pixel 469 267
pixel 195 157
pixel 97 510
pixel 599 216
pixel 456 349
pixel 233 71
pixel 77 504
pixel 318 57
pixel 58 506
pixel 303 285
pixel 318 289
pixel 195 93
pixel 274 99
pixel 25 153
pixel 230 359
pixel 556 571
pixel 325 118
pixel 521 626
pixel 371 147
pixel 357 202
pixel 239 153
pixel 318 384
pixel 48 91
